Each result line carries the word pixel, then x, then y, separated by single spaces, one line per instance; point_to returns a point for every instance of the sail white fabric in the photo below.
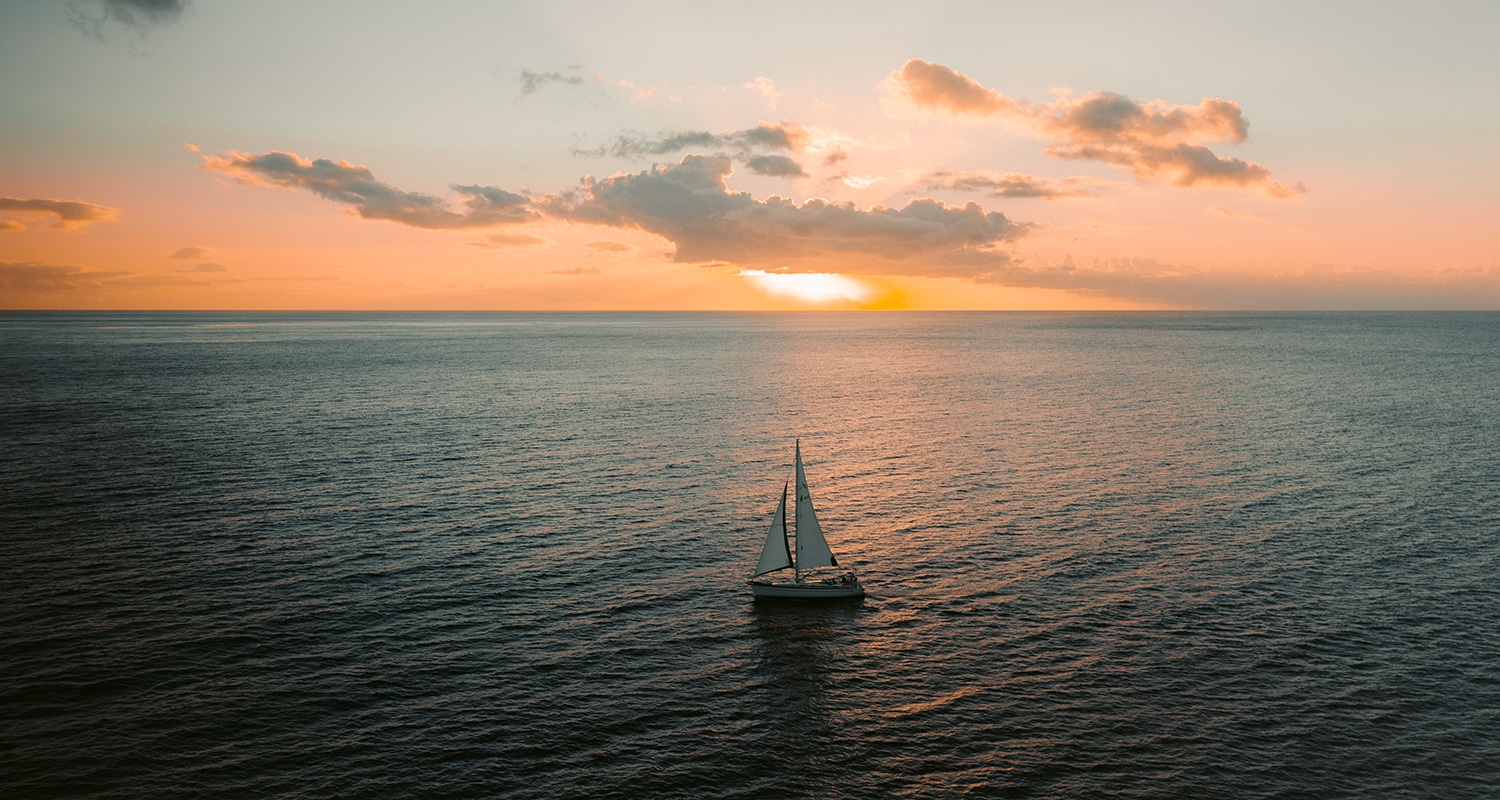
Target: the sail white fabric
pixel 812 548
pixel 776 555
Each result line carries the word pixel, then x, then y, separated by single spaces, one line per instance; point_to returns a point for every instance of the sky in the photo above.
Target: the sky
pixel 198 154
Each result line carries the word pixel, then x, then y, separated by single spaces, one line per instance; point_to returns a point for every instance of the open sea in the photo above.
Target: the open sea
pixel 1136 555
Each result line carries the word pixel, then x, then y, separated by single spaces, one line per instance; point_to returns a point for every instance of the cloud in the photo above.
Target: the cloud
pixel 193 253
pixel 1011 185
pixel 607 246
pixel 767 89
pixel 209 266
pixel 1224 212
pixel 690 205
pixel 532 81
pixel 355 186
pixel 32 277
pixel 775 166
pixel 71 214
pixel 786 136
pixel 145 12
pixel 638 93
pixel 576 271
pixel 856 181
pixel 764 136
pixel 1153 139
pixel 497 240
pixel 1316 287
pixel 930 85
pixel 1108 227
pixel 634 145
pixel 141 15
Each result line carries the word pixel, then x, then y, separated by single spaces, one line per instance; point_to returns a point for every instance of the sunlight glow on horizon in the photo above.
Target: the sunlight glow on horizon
pixel 810 287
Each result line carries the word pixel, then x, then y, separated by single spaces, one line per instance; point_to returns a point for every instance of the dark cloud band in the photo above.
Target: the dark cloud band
pixel 355 186
pixel 689 204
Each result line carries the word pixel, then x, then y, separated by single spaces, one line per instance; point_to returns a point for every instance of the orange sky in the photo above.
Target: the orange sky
pixel 155 155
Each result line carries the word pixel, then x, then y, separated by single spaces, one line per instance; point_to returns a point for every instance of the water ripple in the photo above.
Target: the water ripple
pixel 502 555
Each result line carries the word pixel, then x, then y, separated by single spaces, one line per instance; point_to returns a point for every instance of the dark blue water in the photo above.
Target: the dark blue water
pixel 467 555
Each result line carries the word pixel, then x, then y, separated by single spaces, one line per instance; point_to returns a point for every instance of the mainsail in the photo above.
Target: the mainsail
pixel 776 555
pixel 812 548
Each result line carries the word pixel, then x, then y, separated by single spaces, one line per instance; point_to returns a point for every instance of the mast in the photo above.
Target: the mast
pixel 785 544
pixel 797 517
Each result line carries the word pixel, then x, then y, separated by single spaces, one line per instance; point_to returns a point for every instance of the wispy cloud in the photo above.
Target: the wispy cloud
pixel 1011 185
pixel 767 89
pixel 70 215
pixel 498 240
pixel 1313 287
pixel 1224 212
pixel 37 284
pixel 145 12
pixel 1154 139
pixel 637 93
pixel 532 81
pixel 193 253
pixel 765 136
pixel 853 181
pixel 32 277
pixel 355 186
pixel 607 246
pixel 139 15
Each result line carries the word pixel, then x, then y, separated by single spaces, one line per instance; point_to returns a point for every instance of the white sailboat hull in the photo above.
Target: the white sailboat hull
pixel 791 590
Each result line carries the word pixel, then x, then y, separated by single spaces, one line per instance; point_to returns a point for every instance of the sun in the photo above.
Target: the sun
pixel 811 287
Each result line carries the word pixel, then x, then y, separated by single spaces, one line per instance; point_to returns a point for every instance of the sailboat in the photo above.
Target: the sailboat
pixel 811 552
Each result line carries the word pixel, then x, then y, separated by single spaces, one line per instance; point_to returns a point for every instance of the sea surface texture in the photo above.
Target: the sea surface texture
pixel 504 555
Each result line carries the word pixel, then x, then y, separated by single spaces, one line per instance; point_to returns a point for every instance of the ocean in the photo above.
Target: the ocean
pixel 503 555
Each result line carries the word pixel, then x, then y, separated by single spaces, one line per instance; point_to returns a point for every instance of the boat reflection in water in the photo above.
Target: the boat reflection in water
pixel 811 553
